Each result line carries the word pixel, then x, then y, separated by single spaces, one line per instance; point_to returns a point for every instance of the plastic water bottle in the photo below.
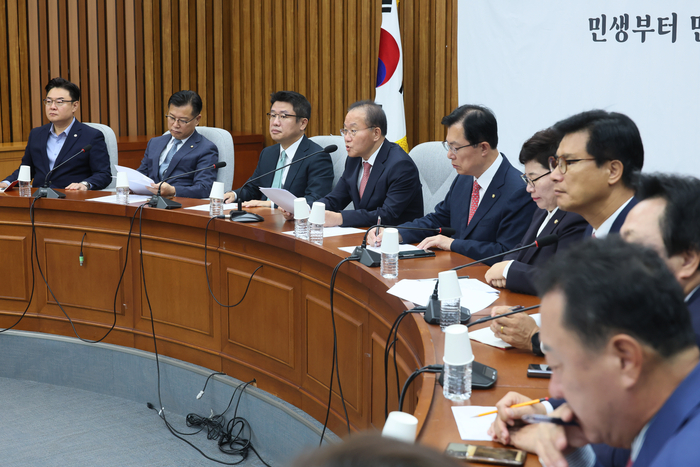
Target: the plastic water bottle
pixel 25 189
pixel 316 233
pixel 301 228
pixel 449 313
pixel 317 218
pixel 216 207
pixel 390 265
pixel 457 384
pixel 122 195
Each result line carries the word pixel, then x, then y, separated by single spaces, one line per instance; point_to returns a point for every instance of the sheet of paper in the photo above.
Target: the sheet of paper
pixel 334 231
pixel 378 249
pixel 133 199
pixel 486 336
pixel 280 197
pixel 205 207
pixel 473 428
pixel 475 294
pixel 137 181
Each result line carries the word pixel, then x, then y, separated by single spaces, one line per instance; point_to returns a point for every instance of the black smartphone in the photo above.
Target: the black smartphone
pixel 538 370
pixel 486 454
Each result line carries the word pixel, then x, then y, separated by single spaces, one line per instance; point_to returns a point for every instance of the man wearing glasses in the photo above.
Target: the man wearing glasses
pixel 51 145
pixel 311 178
pixel 181 151
pixel 380 179
pixel 487 203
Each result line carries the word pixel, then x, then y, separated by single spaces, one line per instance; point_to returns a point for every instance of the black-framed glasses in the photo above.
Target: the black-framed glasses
pixel 181 121
pixel 59 102
pixel 352 133
pixel 281 116
pixel 449 148
pixel 531 181
pixel 563 163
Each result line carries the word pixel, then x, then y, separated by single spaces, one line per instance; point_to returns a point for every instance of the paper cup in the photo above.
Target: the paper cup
pixel 318 214
pixel 401 426
pixel 25 173
pixel 390 241
pixel 122 180
pixel 458 347
pixel 301 209
pixel 217 191
pixel 448 285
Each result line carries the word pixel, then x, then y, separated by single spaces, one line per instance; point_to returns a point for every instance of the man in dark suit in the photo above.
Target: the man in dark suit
pixel 311 178
pixel 618 336
pixel 487 203
pixel 53 144
pixel 181 151
pixel 380 179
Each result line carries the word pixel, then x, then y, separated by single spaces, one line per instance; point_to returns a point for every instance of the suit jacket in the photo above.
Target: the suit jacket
pixel 569 227
pixel 311 178
pixel 498 224
pixel 617 225
pixel 393 190
pixel 197 153
pixel 92 166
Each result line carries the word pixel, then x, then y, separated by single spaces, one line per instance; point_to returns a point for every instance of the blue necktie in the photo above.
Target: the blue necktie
pixel 168 158
pixel 277 181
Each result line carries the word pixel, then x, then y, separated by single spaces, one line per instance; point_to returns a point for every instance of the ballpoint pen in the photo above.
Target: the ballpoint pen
pixel 522 404
pixel 376 231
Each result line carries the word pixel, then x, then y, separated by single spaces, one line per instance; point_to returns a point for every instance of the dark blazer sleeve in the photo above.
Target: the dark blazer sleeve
pixel 319 177
pixel 98 161
pixel 441 217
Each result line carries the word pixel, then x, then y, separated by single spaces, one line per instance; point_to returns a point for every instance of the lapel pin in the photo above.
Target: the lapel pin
pixel 191 146
pixel 556 221
pixel 493 195
pixel 75 135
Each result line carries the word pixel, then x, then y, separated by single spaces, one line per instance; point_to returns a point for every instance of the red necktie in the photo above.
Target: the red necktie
pixel 365 177
pixel 475 201
pixel 629 462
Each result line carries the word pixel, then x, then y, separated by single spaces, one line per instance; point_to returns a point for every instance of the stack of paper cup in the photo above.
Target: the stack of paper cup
pixel 401 426
pixel 301 209
pixel 458 347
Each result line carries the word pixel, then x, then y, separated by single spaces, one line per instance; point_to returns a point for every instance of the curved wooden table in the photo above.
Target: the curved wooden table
pixel 281 334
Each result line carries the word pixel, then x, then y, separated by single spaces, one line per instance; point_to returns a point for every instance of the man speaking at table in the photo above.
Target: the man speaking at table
pixel 183 150
pixel 57 142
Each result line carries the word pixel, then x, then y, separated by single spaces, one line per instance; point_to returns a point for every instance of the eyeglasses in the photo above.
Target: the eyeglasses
pixel 282 117
pixel 562 163
pixel 58 102
pixel 181 121
pixel 352 133
pixel 449 148
pixel 531 181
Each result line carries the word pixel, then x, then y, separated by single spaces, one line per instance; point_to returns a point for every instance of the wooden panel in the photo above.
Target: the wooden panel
pixel 14 251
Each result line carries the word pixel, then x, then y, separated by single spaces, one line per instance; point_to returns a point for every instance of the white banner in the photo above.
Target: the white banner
pixel 538 61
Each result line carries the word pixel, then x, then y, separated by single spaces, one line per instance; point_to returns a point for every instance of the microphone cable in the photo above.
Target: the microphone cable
pixel 387 350
pixel 414 375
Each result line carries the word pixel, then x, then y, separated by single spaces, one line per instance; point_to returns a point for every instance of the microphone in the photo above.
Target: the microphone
pixel 157 201
pixel 45 191
pixel 372 259
pixel 240 215
pixel 432 310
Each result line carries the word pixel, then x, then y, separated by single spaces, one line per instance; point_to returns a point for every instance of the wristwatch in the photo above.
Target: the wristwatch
pixel 87 184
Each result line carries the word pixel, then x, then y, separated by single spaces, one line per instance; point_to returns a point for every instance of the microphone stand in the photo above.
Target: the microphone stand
pixel 372 259
pixel 46 191
pixel 159 202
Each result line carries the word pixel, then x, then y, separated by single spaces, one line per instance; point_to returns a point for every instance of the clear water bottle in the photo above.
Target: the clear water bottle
pixel 316 233
pixel 122 195
pixel 25 189
pixel 449 313
pixel 301 228
pixel 216 207
pixel 390 265
pixel 457 385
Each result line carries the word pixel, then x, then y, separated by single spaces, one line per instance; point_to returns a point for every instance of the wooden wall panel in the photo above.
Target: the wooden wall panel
pixel 129 56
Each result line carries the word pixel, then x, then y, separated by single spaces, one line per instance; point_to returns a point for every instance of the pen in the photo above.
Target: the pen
pixel 537 418
pixel 376 231
pixel 522 404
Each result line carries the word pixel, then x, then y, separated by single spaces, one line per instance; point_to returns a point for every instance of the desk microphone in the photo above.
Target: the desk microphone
pixel 157 201
pixel 239 215
pixel 372 259
pixel 45 191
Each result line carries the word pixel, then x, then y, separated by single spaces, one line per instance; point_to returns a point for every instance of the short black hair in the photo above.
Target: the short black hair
pixel 301 106
pixel 479 124
pixel 540 147
pixel 680 222
pixel 374 114
pixel 182 98
pixel 611 136
pixel 611 286
pixel 61 83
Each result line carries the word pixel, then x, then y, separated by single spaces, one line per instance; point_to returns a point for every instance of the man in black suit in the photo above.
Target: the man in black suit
pixel 52 144
pixel 311 178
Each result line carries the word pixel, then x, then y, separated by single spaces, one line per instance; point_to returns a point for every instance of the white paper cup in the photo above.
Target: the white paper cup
pixel 301 209
pixel 217 191
pixel 122 180
pixel 458 347
pixel 25 173
pixel 318 213
pixel 401 426
pixel 390 241
pixel 448 286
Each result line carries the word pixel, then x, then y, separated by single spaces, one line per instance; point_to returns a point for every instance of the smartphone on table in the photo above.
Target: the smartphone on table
pixel 486 454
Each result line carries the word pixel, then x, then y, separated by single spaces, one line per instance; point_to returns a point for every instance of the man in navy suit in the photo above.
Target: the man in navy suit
pixel 618 336
pixel 311 178
pixel 56 142
pixel 380 179
pixel 181 151
pixel 487 203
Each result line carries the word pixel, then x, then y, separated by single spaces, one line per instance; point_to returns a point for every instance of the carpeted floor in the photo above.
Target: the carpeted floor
pixel 48 425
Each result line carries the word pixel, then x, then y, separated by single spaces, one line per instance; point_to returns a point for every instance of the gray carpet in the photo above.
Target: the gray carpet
pixel 47 425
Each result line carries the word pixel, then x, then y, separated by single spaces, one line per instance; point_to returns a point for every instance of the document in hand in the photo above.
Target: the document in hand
pixel 138 182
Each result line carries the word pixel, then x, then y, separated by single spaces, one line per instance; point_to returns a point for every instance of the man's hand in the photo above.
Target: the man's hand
pixel 77 186
pixel 553 442
pixel 289 216
pixel 438 241
pixel 507 416
pixel 256 203
pixel 517 330
pixel 494 276
pixel 229 197
pixel 373 239
pixel 333 219
pixel 4 185
pixel 166 189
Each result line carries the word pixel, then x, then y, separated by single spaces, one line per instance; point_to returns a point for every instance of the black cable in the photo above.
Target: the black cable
pixel 206 271
pixel 201 393
pixel 334 359
pixel 414 375
pixel 387 349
